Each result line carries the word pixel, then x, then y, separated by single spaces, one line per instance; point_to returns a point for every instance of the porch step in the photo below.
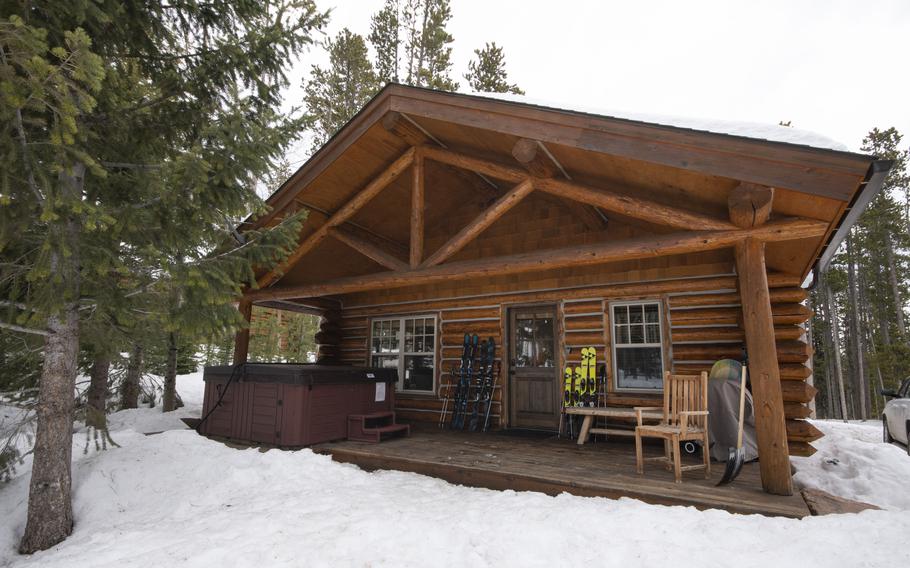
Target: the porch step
pixel 375 427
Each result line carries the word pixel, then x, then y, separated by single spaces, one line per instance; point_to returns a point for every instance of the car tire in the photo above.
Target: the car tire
pixel 886 435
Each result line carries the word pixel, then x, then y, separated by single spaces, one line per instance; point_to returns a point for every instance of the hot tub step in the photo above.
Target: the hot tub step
pixel 375 427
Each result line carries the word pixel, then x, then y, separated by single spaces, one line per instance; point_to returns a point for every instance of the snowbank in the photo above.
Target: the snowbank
pixel 179 499
pixel 853 462
pixel 771 132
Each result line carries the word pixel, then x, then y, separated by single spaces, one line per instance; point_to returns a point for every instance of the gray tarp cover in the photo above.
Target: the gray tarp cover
pixel 723 405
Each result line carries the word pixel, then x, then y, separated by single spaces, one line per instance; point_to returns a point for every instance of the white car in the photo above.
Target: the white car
pixel 896 416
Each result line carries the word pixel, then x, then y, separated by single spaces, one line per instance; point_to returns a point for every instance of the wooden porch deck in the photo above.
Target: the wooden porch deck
pixel 551 465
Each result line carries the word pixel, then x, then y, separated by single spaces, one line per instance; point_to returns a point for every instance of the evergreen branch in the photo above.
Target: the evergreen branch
pixel 23 141
pixel 21 329
pixel 19 305
pixel 131 166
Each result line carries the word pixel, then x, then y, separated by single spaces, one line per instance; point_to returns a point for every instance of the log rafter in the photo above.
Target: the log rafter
pixel 674 243
pixel 347 211
pixel 540 163
pixel 634 207
pixel 412 134
pixel 480 223
pixel 368 249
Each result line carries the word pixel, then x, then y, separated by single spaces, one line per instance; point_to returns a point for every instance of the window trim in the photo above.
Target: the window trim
pixel 613 344
pixel 402 354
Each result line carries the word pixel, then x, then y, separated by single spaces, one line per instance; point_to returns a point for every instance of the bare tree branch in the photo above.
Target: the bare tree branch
pixel 21 329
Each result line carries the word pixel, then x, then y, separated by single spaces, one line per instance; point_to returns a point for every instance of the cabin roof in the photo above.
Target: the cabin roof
pixel 742 129
pixel 689 162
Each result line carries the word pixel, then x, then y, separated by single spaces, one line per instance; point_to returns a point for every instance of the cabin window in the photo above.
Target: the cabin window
pixel 637 346
pixel 407 344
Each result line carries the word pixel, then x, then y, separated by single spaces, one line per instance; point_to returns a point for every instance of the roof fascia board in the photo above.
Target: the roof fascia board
pixel 371 113
pixel 826 173
pixel 875 178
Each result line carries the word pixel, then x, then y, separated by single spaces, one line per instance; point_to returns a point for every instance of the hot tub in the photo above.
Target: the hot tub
pixel 292 404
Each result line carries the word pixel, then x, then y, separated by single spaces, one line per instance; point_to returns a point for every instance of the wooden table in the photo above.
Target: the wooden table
pixel 608 412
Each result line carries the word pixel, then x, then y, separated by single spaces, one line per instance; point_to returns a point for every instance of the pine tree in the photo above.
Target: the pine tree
pixel 335 94
pixel 411 42
pixel 128 143
pixel 384 37
pixel 487 72
pixel 869 283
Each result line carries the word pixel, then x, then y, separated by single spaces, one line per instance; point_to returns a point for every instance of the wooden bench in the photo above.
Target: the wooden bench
pixel 607 412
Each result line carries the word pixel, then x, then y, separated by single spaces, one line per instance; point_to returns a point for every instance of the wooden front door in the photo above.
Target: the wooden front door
pixel 533 377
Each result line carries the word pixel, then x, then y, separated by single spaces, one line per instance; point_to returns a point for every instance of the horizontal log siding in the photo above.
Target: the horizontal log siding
pixel 707 325
pixel 451 325
pixel 702 316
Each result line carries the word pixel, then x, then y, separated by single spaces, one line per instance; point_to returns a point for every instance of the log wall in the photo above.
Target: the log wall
pixel 702 323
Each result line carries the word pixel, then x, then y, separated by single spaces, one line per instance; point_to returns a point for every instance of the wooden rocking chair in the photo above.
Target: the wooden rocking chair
pixel 685 417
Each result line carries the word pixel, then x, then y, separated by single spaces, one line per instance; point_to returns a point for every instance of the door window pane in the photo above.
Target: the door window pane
pixel 534 342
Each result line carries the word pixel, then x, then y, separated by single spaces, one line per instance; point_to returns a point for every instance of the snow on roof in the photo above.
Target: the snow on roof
pixel 760 131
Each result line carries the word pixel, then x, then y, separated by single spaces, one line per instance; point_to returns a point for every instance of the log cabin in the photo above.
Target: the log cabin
pixel 433 214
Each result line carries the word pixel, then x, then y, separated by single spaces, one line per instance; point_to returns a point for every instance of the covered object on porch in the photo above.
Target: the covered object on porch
pixel 434 214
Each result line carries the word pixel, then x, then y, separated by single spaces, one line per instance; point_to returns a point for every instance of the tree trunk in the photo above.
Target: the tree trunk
pixel 825 340
pixel 50 508
pixel 129 389
pixel 169 397
pixel 856 333
pixel 810 339
pixel 868 325
pixel 835 337
pixel 96 407
pixel 895 288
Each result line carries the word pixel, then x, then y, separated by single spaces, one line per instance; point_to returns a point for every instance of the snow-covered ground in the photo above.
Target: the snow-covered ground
pixel 853 462
pixel 177 499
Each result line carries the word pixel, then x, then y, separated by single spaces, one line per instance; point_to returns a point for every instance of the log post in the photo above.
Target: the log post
pixel 242 339
pixel 764 371
pixel 417 204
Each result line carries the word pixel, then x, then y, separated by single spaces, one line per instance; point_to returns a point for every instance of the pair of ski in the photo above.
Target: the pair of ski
pixel 478 382
pixel 580 387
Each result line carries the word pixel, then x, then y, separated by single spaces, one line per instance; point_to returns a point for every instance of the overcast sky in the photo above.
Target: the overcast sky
pixel 835 67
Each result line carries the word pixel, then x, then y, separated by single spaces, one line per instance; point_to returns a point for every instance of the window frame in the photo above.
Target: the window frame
pixel 402 354
pixel 661 343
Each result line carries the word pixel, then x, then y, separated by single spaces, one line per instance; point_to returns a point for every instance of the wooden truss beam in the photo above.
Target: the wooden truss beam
pixel 368 249
pixel 347 211
pixel 634 207
pixel 534 157
pixel 409 132
pixel 466 162
pixel 529 153
pixel 750 204
pixel 659 245
pixel 417 211
pixel 365 233
pixel 288 306
pixel 480 223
